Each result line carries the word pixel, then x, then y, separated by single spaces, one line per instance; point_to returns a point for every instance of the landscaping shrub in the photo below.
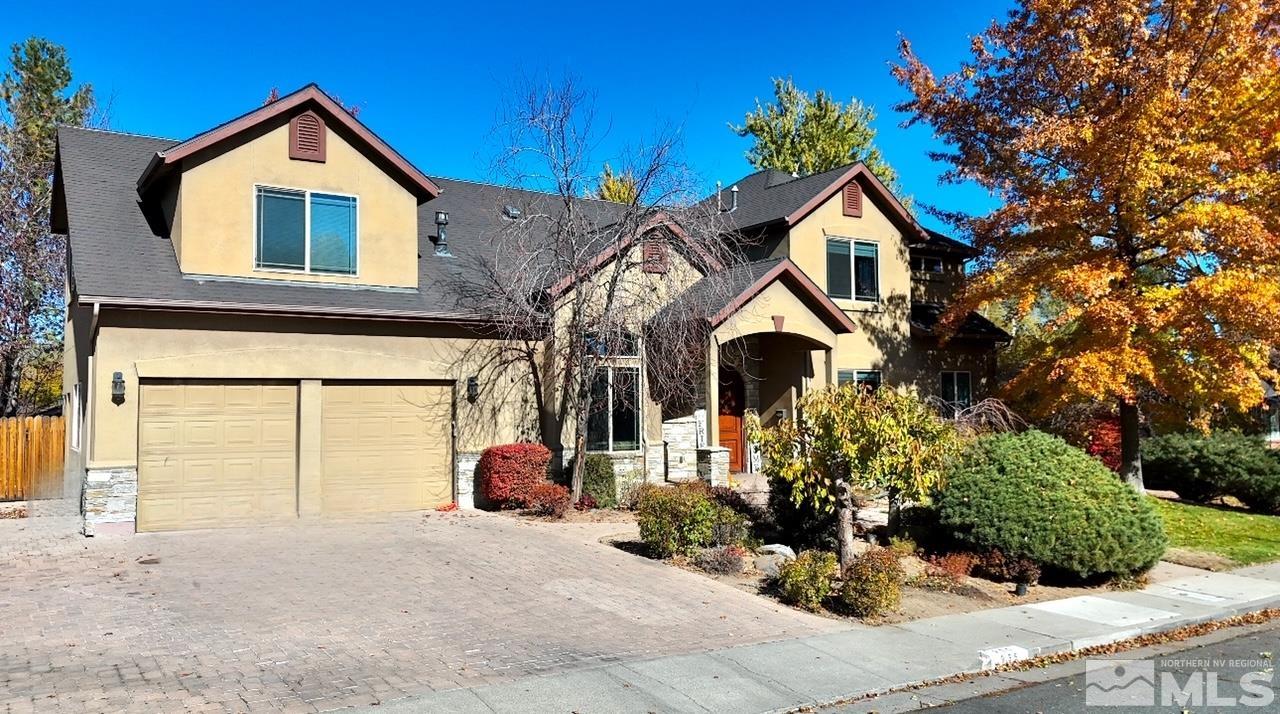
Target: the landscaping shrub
pixel 873 583
pixel 599 480
pixel 730 528
pixel 548 499
pixel 721 559
pixel 586 503
pixel 508 472
pixel 1034 496
pixel 676 520
pixel 995 565
pixel 799 526
pixel 806 581
pixel 1203 467
pixel 1103 441
pixel 953 566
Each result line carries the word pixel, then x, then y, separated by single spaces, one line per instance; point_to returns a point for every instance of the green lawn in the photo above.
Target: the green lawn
pixel 1246 538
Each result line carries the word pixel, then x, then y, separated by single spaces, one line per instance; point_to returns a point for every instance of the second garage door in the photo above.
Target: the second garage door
pixel 386 446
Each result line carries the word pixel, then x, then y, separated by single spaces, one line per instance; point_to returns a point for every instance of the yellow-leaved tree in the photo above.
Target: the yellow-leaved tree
pixel 1135 148
pixel 850 438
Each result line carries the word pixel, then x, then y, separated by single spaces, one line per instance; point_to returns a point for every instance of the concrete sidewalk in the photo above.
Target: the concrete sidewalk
pixel 822 669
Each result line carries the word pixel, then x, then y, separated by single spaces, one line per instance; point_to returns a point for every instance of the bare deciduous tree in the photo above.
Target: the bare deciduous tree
pixel 575 284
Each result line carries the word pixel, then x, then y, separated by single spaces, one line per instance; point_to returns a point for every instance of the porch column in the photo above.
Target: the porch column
pixel 829 362
pixel 713 392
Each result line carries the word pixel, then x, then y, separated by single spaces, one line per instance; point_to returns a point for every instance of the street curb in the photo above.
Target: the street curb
pixel 1251 607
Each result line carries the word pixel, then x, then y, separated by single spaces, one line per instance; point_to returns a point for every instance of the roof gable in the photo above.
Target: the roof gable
pixel 309 97
pixel 771 197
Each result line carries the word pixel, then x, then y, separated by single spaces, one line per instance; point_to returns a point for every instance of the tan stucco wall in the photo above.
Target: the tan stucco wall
pixel 154 345
pixel 639 295
pixel 883 328
pixel 213 232
pixel 883 339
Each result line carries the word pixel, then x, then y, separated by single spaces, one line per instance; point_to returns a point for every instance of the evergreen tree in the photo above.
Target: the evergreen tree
pixel 803 135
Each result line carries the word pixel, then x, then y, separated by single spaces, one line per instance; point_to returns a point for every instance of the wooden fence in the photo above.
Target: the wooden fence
pixel 31 457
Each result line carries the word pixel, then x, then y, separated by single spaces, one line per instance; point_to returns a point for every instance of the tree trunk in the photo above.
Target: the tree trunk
pixel 1130 446
pixel 579 463
pixel 845 512
pixel 10 372
pixel 895 513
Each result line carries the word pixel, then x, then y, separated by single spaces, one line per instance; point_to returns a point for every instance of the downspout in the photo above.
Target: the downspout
pixel 86 431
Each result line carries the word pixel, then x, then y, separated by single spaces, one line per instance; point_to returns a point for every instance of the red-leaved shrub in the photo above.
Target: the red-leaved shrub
pixel 1104 442
pixel 586 503
pixel 548 499
pixel 508 472
pixel 953 566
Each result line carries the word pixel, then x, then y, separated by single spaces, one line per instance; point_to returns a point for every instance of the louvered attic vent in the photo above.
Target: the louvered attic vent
pixel 306 137
pixel 655 256
pixel 853 200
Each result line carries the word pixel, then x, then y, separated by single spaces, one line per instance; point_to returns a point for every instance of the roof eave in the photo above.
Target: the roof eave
pixel 787 270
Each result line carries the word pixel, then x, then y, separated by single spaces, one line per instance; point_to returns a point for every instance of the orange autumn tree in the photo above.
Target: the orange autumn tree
pixel 1134 146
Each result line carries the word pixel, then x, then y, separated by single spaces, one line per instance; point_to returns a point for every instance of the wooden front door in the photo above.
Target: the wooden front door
pixel 732 408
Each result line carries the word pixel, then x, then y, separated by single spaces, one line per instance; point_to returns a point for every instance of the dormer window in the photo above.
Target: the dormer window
pixel 306 231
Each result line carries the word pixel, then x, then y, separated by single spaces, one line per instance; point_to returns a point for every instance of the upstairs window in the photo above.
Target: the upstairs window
pixel 866 378
pixel 957 389
pixel 853 269
pixel 926 264
pixel 305 231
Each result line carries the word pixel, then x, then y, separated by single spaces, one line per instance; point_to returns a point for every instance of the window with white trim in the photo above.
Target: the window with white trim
pixel 613 417
pixel 865 378
pixel 853 269
pixel 957 389
pixel 305 231
pixel 613 423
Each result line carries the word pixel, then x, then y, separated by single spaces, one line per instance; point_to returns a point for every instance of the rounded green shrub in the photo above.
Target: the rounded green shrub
pixel 806 581
pixel 873 583
pixel 676 520
pixel 1200 468
pixel 599 480
pixel 1034 496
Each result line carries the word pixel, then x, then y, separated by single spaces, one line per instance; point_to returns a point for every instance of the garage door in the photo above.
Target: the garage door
pixel 386 447
pixel 213 454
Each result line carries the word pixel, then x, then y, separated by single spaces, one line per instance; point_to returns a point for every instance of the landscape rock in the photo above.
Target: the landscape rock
pixel 779 549
pixel 770 563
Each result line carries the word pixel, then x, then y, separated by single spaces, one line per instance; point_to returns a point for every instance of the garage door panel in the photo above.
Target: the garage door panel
pixel 386 447
pixel 158 435
pixel 216 454
pixel 204 433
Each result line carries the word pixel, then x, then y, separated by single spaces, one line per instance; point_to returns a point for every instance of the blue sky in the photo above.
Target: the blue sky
pixel 431 78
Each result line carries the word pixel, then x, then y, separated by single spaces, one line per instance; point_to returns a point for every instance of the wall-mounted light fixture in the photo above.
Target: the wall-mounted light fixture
pixel 473 389
pixel 779 415
pixel 117 388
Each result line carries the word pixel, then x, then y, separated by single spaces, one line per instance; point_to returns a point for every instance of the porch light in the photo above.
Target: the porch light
pixel 473 389
pixel 117 387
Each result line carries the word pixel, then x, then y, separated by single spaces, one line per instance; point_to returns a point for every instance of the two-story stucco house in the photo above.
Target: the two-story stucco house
pixel 259 327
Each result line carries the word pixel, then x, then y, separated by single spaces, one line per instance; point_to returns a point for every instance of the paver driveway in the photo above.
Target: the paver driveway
pixel 321 616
